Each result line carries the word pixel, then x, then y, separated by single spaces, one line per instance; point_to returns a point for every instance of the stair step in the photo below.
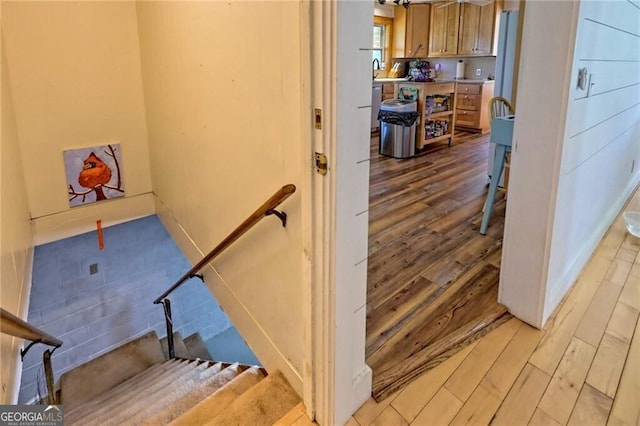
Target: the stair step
pixel 179 348
pixel 262 405
pixel 158 394
pixel 148 375
pixel 294 416
pixel 196 347
pixel 115 402
pixel 218 401
pixel 171 394
pixel 109 370
pixel 199 393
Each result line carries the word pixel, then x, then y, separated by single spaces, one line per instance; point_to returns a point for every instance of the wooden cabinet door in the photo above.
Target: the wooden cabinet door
pixel 417 32
pixel 469 21
pixel 443 38
pixel 399 32
pixel 486 29
pixel 436 35
pixel 476 29
pixel 451 32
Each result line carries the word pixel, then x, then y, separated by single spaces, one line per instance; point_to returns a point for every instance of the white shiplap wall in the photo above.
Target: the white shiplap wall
pixel 576 158
pixel 601 152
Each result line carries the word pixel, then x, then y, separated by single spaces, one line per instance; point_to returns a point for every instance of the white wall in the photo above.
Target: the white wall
pixel 487 65
pixel 76 82
pixel 601 153
pixel 223 91
pixel 353 95
pixel 572 158
pixel 16 249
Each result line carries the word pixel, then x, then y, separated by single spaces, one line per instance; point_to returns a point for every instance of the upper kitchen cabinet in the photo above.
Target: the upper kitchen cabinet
pixel 443 37
pixel 477 27
pixel 417 35
pixel 411 31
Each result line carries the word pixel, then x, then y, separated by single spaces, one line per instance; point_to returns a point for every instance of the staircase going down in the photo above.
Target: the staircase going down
pixel 180 391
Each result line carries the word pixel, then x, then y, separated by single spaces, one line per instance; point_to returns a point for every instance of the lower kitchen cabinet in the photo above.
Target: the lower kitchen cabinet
pixel 436 108
pixel 388 90
pixel 472 106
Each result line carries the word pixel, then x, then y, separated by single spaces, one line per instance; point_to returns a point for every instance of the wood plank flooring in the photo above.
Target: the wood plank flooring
pixel 433 278
pixel 561 375
pixel 582 369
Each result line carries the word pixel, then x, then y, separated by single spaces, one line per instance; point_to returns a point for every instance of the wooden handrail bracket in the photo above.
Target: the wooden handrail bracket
pixel 267 208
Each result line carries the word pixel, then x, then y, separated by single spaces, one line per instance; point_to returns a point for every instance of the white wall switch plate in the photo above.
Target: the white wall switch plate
pixel 478 72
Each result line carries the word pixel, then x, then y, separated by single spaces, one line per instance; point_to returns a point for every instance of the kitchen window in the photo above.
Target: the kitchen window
pixel 382 31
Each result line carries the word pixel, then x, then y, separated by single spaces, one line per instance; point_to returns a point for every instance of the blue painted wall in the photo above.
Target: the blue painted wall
pixel 94 313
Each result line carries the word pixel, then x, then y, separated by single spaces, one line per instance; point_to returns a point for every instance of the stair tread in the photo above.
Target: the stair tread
pixel 179 348
pixel 150 374
pixel 293 416
pixel 263 404
pixel 199 393
pixel 170 394
pixel 116 402
pixel 157 394
pixel 112 368
pixel 219 400
pixel 196 347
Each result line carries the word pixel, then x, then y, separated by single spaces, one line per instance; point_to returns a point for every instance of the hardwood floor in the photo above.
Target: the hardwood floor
pixel 433 278
pixel 583 368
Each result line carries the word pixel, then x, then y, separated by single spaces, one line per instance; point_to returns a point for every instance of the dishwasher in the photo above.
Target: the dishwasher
pixel 376 99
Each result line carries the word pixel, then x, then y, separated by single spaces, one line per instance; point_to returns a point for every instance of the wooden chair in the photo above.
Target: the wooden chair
pixel 499 107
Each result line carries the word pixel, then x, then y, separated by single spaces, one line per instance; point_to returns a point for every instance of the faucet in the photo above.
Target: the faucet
pixel 376 63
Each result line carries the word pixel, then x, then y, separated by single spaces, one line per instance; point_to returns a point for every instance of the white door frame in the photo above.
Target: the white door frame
pixel 318 64
pixel 337 380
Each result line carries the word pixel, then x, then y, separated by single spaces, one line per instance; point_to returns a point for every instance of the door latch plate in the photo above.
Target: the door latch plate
pixel 321 163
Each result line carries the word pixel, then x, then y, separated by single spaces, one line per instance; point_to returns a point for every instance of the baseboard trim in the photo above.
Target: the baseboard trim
pixel 569 277
pixel 255 336
pixel 362 384
pixel 79 220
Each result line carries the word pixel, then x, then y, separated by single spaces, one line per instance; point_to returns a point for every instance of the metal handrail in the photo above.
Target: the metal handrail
pixel 14 326
pixel 266 209
pixel 17 327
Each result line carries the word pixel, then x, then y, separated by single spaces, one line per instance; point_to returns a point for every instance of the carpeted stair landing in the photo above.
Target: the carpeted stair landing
pixel 177 391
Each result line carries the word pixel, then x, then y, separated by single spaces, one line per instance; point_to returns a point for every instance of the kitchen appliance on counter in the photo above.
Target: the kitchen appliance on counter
pixel 398 70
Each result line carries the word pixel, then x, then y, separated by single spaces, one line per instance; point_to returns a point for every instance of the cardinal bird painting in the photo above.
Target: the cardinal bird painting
pixel 93 174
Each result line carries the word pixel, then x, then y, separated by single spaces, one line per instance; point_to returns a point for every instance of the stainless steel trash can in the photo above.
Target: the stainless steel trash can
pixel 398 141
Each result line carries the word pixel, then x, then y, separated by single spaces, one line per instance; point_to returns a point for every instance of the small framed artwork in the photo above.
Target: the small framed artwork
pixel 93 174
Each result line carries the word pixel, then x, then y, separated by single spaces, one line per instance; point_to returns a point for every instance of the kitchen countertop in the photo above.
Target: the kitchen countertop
pixel 469 80
pixel 438 80
pixel 388 80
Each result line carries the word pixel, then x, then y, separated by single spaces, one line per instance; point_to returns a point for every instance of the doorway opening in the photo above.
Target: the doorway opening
pixel 432 281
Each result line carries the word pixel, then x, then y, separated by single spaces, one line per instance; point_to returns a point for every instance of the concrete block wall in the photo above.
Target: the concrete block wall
pixel 94 313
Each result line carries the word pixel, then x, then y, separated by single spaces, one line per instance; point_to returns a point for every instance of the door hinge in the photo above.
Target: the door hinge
pixel 321 163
